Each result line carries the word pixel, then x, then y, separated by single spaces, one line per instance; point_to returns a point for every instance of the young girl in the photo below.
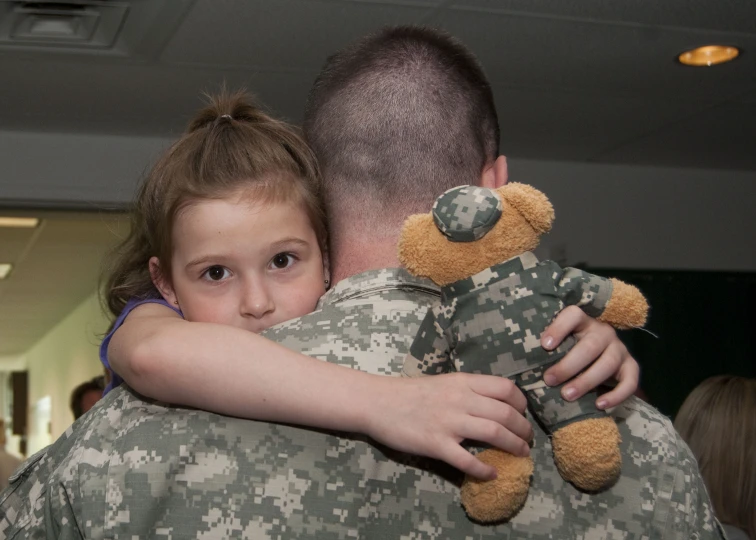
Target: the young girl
pixel 229 238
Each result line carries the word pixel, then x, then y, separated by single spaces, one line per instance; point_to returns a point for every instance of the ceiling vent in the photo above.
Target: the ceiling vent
pixel 126 28
pixel 85 24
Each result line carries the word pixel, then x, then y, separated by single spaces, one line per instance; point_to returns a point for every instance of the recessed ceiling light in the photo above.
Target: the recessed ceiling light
pixel 24 222
pixel 709 55
pixel 5 269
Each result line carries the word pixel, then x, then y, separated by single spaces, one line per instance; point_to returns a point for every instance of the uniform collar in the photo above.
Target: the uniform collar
pixel 373 281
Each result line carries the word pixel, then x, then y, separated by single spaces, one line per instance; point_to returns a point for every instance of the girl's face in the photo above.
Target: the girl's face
pixel 246 264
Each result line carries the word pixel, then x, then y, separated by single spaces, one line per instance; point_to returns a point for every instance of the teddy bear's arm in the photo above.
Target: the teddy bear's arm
pixel 627 308
pixel 429 353
pixel 609 300
pixel 589 292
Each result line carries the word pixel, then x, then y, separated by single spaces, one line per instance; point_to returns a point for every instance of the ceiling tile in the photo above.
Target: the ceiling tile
pixel 120 104
pixel 60 270
pixel 278 34
pixel 723 15
pixel 13 242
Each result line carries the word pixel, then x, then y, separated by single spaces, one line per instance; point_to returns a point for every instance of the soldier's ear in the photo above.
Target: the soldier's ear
pixel 531 203
pixel 496 175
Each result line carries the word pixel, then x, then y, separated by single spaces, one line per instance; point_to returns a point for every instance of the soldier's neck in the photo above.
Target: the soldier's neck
pixel 350 257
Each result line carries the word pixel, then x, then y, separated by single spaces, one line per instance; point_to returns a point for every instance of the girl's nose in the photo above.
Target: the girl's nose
pixel 257 302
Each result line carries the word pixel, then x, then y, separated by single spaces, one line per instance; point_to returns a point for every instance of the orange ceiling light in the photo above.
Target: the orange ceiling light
pixel 709 55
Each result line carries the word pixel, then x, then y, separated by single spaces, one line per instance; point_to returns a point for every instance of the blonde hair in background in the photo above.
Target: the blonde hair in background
pixel 718 421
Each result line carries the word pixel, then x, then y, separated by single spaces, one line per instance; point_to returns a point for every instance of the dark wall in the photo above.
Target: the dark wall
pixel 705 324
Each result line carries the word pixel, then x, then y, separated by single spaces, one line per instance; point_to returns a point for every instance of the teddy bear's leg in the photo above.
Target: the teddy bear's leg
pixel 585 440
pixel 500 499
pixel 587 453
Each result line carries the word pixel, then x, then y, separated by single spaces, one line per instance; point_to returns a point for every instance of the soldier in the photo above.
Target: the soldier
pixel 395 120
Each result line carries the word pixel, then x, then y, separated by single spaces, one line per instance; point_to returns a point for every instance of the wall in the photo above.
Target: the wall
pixel 65 357
pixel 622 216
pixel 618 216
pixel 79 171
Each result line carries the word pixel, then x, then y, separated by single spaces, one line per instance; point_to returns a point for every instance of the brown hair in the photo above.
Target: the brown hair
pixel 718 421
pixel 399 117
pixel 96 384
pixel 230 145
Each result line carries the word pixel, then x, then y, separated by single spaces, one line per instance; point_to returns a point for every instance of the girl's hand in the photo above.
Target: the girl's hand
pixel 430 416
pixel 598 347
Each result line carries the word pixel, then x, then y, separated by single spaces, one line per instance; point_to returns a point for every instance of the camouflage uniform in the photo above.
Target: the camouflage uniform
pixel 491 323
pixel 133 468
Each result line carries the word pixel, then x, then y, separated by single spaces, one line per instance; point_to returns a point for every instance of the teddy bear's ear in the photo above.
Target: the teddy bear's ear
pixel 531 203
pixel 418 232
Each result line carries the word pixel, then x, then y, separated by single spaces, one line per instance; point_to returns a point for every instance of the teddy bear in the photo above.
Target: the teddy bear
pixel 496 300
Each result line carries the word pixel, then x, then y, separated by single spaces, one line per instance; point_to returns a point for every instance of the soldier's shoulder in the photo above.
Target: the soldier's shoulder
pixel 640 421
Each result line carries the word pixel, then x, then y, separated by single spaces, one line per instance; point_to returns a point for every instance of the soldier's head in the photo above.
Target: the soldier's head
pixel 396 119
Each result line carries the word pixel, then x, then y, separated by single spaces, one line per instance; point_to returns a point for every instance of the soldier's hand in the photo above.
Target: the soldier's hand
pixel 598 349
pixel 432 415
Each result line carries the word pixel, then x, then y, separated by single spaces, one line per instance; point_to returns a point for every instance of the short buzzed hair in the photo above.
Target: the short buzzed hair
pixel 399 117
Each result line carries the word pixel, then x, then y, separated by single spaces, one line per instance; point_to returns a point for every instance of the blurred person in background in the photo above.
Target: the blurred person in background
pixel 86 395
pixel 718 421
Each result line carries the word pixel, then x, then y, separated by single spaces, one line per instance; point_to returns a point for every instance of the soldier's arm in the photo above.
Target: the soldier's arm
pixel 682 508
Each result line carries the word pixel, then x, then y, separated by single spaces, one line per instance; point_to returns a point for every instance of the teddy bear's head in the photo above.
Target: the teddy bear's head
pixel 471 228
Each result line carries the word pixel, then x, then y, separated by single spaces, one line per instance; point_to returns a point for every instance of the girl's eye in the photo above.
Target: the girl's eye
pixel 282 260
pixel 216 273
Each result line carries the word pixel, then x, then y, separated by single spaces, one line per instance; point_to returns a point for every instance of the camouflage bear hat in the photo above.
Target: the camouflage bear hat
pixel 466 213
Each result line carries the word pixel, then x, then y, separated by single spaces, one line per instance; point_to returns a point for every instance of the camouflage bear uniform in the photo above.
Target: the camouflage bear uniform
pixel 134 468
pixel 491 323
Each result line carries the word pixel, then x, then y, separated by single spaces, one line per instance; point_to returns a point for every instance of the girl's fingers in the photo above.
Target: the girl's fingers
pixel 499 388
pixel 458 457
pixel 629 377
pixel 504 415
pixel 604 368
pixel 493 433
pixel 583 354
pixel 570 320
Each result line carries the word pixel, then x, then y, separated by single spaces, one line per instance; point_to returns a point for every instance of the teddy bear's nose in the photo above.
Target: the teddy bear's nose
pixel 466 213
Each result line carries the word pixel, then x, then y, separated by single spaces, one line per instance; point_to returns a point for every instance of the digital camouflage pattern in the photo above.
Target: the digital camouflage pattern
pixel 133 468
pixel 466 213
pixel 491 323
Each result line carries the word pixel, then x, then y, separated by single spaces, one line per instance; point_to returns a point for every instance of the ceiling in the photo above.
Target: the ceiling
pixel 580 80
pixel 574 80
pixel 56 266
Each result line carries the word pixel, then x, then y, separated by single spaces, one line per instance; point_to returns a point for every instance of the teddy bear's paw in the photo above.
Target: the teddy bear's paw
pixel 587 453
pixel 499 499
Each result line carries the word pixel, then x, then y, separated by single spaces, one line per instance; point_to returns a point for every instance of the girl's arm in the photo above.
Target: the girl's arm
pixel 238 373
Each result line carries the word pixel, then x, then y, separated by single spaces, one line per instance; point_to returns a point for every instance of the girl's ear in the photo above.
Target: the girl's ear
pixel 161 284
